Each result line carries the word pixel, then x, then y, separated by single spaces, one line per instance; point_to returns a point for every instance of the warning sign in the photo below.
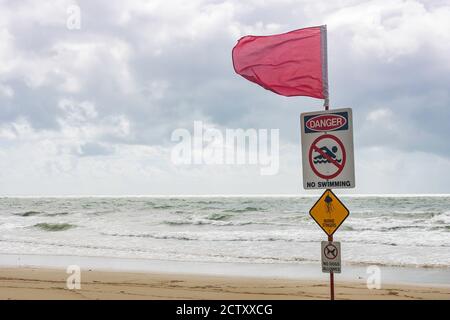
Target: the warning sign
pixel 331 256
pixel 327 149
pixel 329 212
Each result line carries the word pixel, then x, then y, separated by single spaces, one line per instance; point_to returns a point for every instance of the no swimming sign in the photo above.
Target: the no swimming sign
pixel 327 149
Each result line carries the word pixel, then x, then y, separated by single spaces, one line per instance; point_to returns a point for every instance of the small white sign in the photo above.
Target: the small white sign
pixel 327 149
pixel 331 256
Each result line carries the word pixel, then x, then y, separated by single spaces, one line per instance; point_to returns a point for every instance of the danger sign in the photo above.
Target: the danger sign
pixel 327 148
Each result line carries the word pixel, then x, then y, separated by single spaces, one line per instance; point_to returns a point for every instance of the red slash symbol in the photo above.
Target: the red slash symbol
pixel 326 155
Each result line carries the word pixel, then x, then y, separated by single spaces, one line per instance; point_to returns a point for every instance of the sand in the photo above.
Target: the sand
pixel 39 283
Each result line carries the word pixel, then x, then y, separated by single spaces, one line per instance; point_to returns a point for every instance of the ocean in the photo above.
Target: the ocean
pixel 411 231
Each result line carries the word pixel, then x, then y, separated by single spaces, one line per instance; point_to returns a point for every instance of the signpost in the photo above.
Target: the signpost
pixel 278 63
pixel 327 150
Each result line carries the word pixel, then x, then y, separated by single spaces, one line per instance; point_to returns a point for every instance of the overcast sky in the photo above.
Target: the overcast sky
pixel 91 111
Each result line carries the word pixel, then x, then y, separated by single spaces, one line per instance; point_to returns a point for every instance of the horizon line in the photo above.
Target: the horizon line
pixel 273 195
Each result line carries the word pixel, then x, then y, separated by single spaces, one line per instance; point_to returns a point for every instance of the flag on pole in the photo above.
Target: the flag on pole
pixel 289 64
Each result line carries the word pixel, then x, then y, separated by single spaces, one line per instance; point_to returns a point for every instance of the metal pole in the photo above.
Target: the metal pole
pixel 326 104
pixel 330 239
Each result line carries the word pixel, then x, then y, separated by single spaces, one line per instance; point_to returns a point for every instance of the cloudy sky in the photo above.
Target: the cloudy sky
pixel 91 110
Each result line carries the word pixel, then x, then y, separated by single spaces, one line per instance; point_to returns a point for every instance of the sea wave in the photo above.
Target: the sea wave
pixel 211 237
pixel 223 222
pixel 208 202
pixel 54 226
pixel 28 213
pixel 445 228
pixel 126 252
pixel 219 216
pixel 272 237
pixel 56 214
pixel 443 218
pixel 199 222
pixel 165 206
pixel 246 209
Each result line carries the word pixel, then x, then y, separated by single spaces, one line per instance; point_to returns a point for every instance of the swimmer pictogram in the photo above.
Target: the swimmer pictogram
pixel 327 156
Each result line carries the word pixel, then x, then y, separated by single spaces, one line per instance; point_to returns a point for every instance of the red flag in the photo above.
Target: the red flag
pixel 290 64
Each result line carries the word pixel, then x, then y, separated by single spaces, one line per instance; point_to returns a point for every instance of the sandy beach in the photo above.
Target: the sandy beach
pixel 40 283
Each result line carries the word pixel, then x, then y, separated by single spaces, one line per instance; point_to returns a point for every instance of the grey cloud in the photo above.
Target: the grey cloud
pixel 95 149
pixel 201 80
pixel 176 78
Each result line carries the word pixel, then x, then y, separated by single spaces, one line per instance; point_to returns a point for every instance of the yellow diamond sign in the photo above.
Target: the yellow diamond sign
pixel 329 212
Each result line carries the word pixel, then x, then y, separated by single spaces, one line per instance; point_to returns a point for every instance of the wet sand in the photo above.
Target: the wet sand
pixel 44 283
